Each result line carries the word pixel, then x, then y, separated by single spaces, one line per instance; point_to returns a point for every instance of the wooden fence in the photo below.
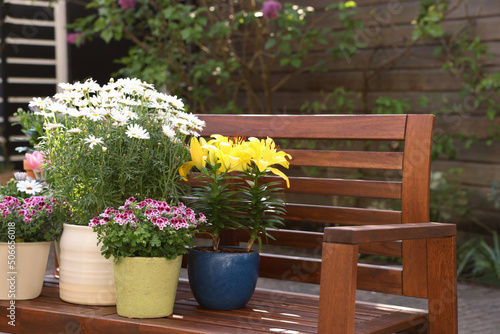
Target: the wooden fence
pixel 32 66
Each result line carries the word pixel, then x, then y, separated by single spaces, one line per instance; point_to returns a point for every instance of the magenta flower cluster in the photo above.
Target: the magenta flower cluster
pixel 270 9
pixel 159 213
pixel 127 4
pixel 32 207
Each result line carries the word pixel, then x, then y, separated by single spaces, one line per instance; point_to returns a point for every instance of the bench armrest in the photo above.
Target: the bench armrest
pixel 354 235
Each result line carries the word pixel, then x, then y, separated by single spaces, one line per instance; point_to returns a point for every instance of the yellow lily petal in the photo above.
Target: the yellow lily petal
pixel 197 153
pixel 185 168
pixel 280 173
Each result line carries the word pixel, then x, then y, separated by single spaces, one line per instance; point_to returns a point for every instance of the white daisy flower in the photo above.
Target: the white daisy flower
pixel 57 107
pixel 137 131
pixel 51 126
pixel 73 112
pixel 92 140
pixel 130 113
pixel 74 131
pixel 81 103
pixel 38 103
pixel 66 86
pixel 31 187
pixel 91 86
pixel 120 117
pixel 95 114
pixel 128 101
pixel 44 113
pixel 170 133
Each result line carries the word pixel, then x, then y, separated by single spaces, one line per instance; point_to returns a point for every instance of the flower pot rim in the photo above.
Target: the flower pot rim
pixel 77 225
pixel 26 242
pixel 148 257
pixel 197 248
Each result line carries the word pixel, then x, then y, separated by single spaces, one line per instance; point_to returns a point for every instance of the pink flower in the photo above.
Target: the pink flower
pixel 71 38
pixel 36 160
pixel 127 4
pixel 270 9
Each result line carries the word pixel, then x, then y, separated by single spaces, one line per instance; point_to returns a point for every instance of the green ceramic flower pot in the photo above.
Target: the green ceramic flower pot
pixel 146 287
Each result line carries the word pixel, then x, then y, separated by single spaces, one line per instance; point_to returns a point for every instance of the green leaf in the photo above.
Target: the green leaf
pixel 296 62
pixel 270 43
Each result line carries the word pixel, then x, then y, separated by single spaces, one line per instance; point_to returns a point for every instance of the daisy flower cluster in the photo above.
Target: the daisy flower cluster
pixel 160 228
pixel 34 219
pixel 121 103
pixel 107 143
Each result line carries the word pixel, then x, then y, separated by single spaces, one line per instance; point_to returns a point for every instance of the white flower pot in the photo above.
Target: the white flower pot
pixel 85 276
pixel 22 269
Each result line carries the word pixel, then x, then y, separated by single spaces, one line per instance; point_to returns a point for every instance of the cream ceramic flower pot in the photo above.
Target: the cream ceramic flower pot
pixel 85 276
pixel 146 286
pixel 22 269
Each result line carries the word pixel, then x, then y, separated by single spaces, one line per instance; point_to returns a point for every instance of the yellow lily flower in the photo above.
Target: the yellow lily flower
pixel 264 155
pixel 198 155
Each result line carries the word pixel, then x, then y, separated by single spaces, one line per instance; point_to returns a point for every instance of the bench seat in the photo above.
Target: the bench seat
pixel 268 311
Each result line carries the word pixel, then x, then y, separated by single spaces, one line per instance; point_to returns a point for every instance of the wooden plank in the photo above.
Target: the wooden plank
pixel 338 289
pixel 340 187
pixel 308 270
pixel 347 159
pixel 355 235
pixel 389 248
pixel 267 311
pixel 415 200
pixel 314 240
pixel 340 215
pixel 374 127
pixel 391 323
pixel 442 285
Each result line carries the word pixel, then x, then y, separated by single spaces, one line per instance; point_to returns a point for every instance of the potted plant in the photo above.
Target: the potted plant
pixel 105 144
pixel 231 191
pixel 146 240
pixel 28 225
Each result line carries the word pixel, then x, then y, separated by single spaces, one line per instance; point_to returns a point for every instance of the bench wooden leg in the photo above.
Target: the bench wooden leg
pixel 442 285
pixel 338 288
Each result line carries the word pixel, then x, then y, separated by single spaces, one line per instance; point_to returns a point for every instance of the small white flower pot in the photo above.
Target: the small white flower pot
pixel 22 269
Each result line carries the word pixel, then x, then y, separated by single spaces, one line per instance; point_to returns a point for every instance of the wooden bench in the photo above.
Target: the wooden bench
pixel 428 250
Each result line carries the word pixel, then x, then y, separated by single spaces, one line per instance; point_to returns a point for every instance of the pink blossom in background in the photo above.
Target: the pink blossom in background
pixel 36 160
pixel 72 37
pixel 270 9
pixel 127 4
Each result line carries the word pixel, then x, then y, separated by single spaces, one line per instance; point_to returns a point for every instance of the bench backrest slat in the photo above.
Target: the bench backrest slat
pixel 326 188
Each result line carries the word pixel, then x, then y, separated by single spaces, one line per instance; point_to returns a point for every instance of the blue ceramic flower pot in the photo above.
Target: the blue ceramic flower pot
pixel 222 281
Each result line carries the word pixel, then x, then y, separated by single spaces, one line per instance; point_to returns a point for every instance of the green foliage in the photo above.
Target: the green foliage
pixel 218 200
pixel 479 260
pixel 264 208
pixel 31 126
pixel 339 101
pixel 448 197
pixel 430 16
pixel 213 54
pixel 145 229
pixel 387 105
